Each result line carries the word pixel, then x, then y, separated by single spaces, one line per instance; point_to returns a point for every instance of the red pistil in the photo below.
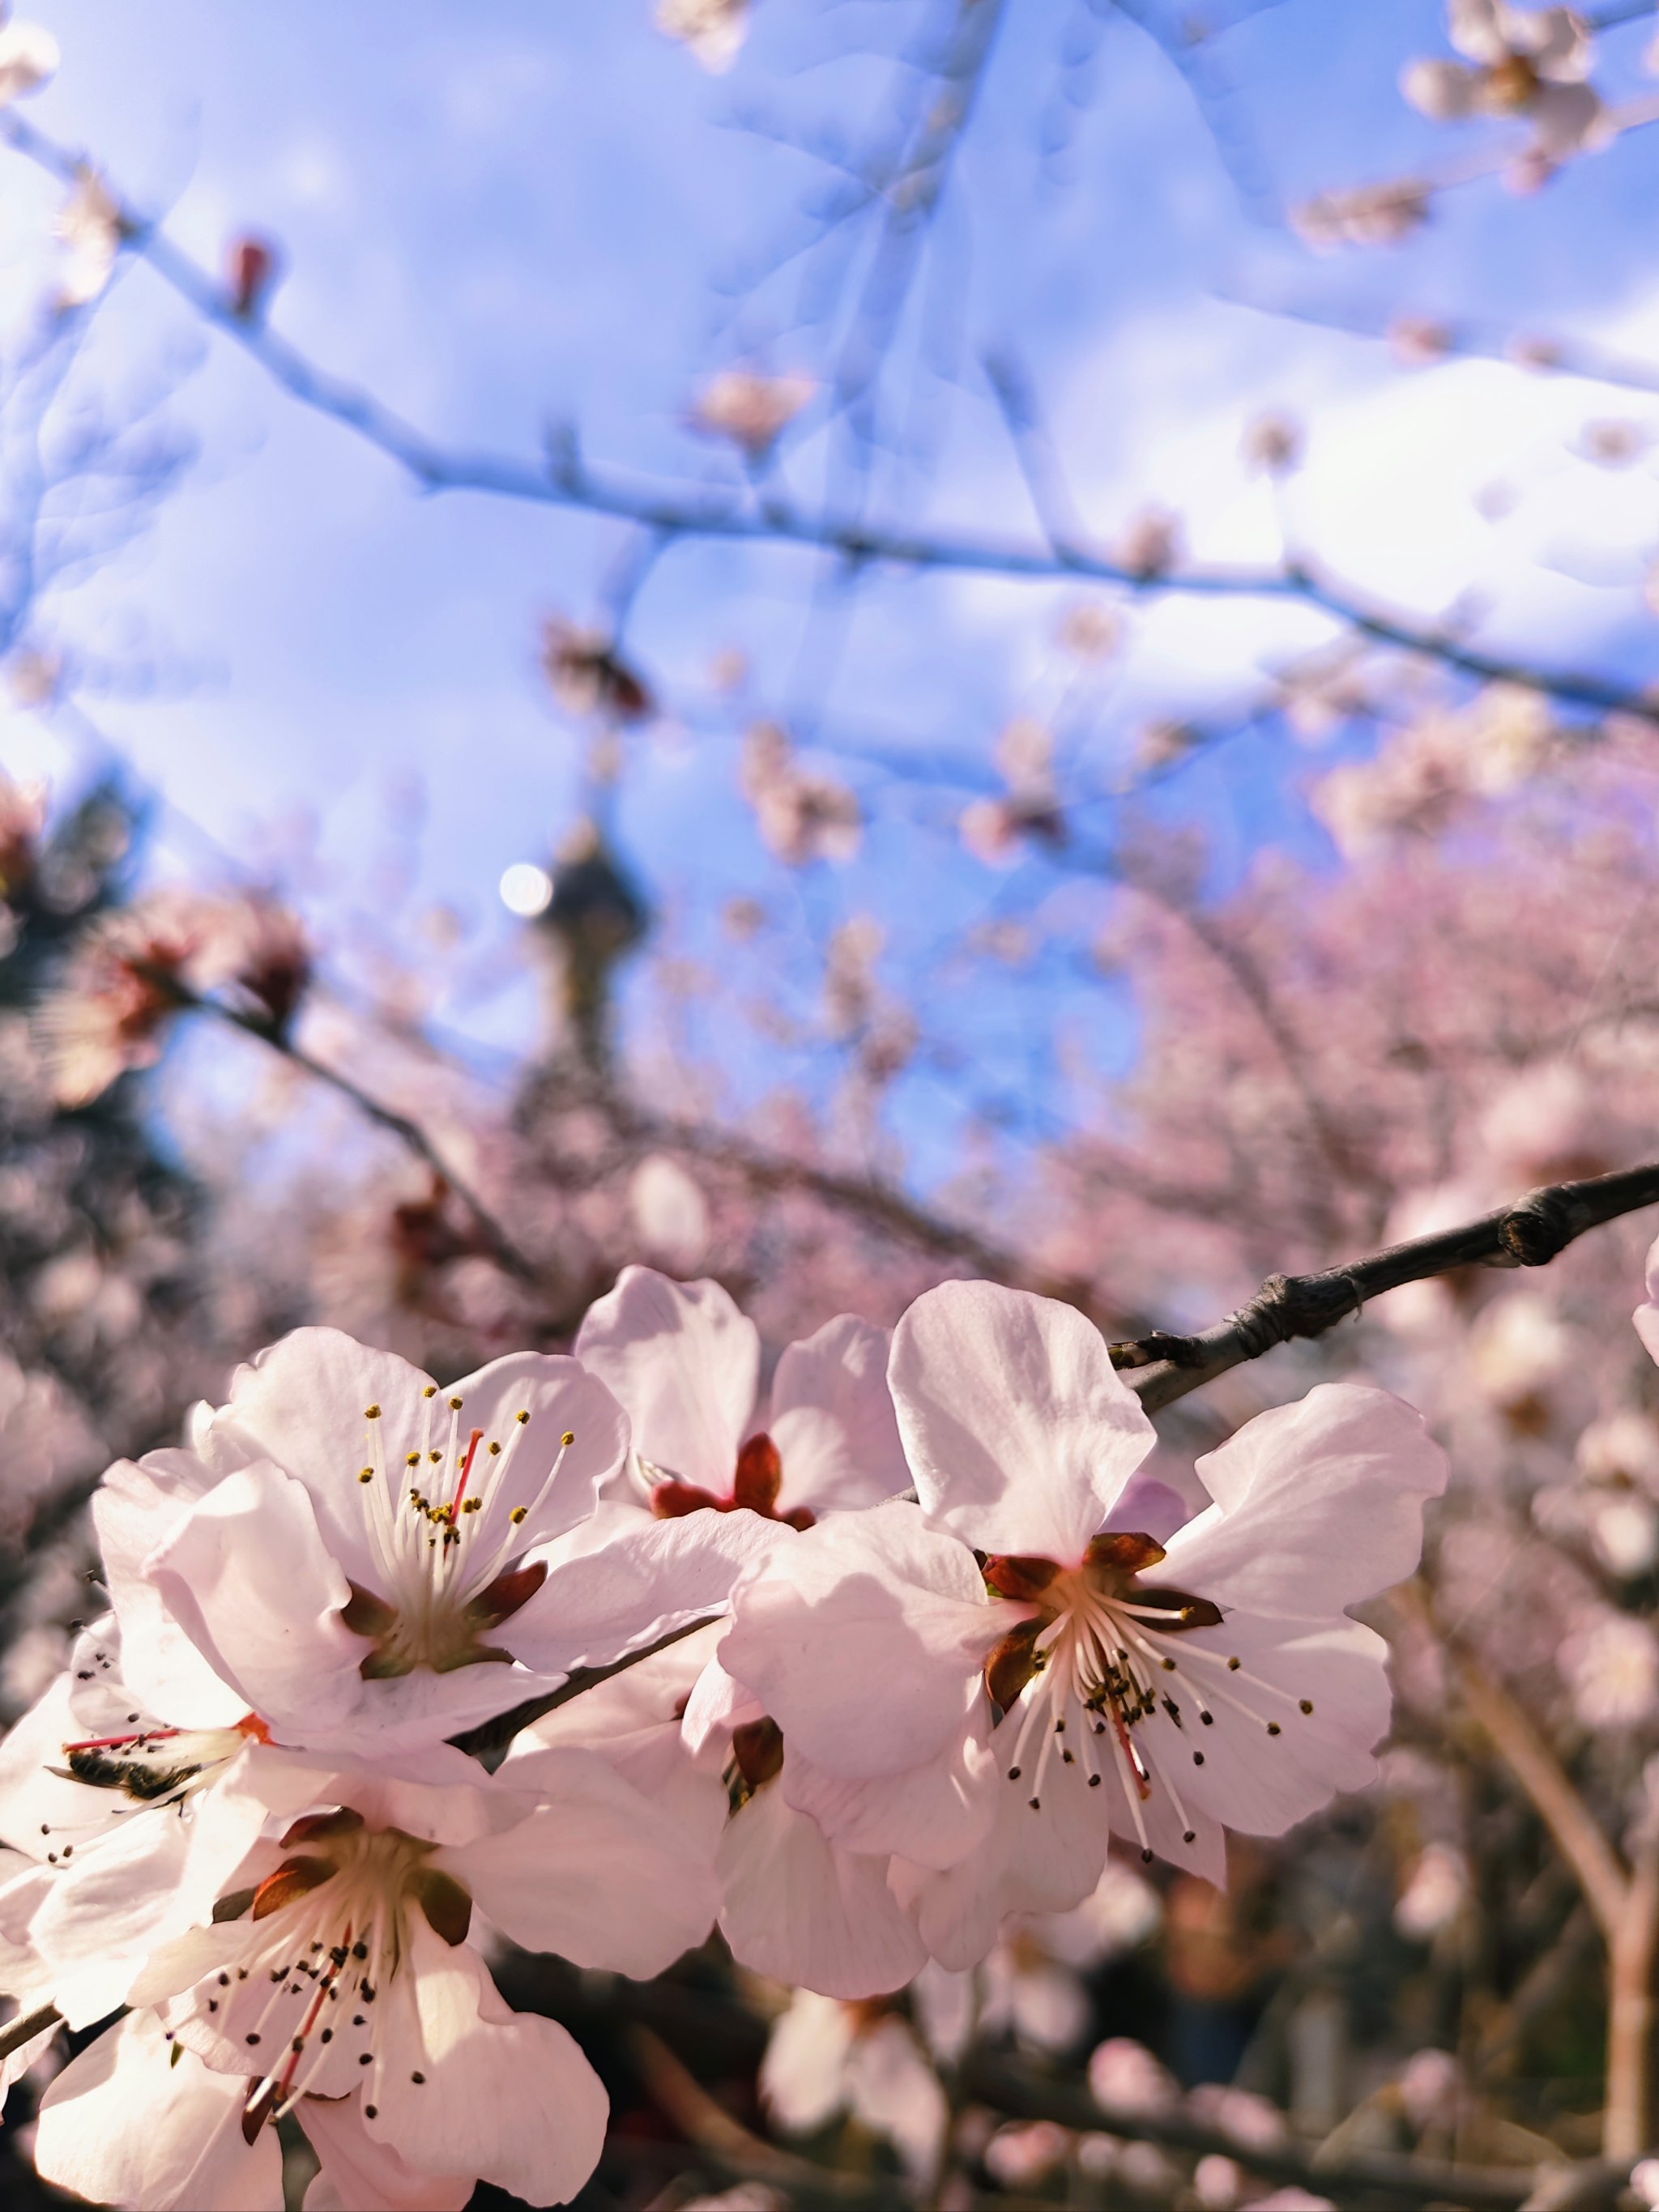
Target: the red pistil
pixel 118 1743
pixel 262 2103
pixel 1119 1729
pixel 466 1469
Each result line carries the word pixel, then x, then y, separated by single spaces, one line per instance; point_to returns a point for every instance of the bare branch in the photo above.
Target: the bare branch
pixel 1009 2087
pixel 1528 1234
pixel 491 1737
pixel 565 480
pixel 730 2146
pixel 16 2032
pixel 1605 1882
pixel 407 1132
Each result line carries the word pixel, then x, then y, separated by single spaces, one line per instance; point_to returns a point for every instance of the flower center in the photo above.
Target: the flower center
pixel 324 1934
pixel 441 1531
pixel 756 1758
pixel 756 1483
pixel 1508 86
pixel 1098 1638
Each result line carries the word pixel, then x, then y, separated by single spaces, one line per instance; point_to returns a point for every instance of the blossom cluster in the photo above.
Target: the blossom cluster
pixel 857 1669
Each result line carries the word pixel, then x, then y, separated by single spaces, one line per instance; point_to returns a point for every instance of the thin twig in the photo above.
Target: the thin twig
pixel 565 480
pixel 491 1737
pixel 729 2145
pixel 1019 2090
pixel 1529 1234
pixel 1606 1883
pixel 16 2032
pixel 407 1131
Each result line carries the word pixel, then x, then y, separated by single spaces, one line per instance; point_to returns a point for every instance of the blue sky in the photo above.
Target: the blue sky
pixel 539 209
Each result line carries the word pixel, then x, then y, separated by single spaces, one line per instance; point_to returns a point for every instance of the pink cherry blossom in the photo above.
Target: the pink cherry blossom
pixel 1205 1680
pixel 752 410
pixel 29 58
pixel 336 1964
pixel 685 1364
pixel 793 1905
pixel 344 1549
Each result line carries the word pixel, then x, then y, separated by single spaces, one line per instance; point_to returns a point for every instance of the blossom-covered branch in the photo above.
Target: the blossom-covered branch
pixel 1528 1234
pixel 567 479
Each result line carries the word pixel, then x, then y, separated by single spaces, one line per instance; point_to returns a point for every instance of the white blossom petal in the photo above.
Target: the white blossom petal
pixel 1480 30
pixel 1046 1861
pixel 622 1581
pixel 1317 1505
pixel 860 1639
pixel 935 1813
pixel 131 2122
pixel 30 57
pixel 685 1362
pixel 633 1722
pixel 1019 1432
pixel 508 2096
pixel 1442 90
pixel 1232 1769
pixel 361 2175
pixel 802 2075
pixel 800 1910
pixel 599 1875
pixel 247 1574
pixel 134 1510
pixel 1646 1317
pixel 832 1422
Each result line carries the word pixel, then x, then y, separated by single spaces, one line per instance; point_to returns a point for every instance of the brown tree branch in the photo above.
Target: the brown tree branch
pixel 16 2032
pixel 491 1738
pixel 1011 2087
pixel 407 1131
pixel 1628 2112
pixel 565 480
pixel 1623 1900
pixel 729 2145
pixel 1528 1234
pixel 1604 1879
